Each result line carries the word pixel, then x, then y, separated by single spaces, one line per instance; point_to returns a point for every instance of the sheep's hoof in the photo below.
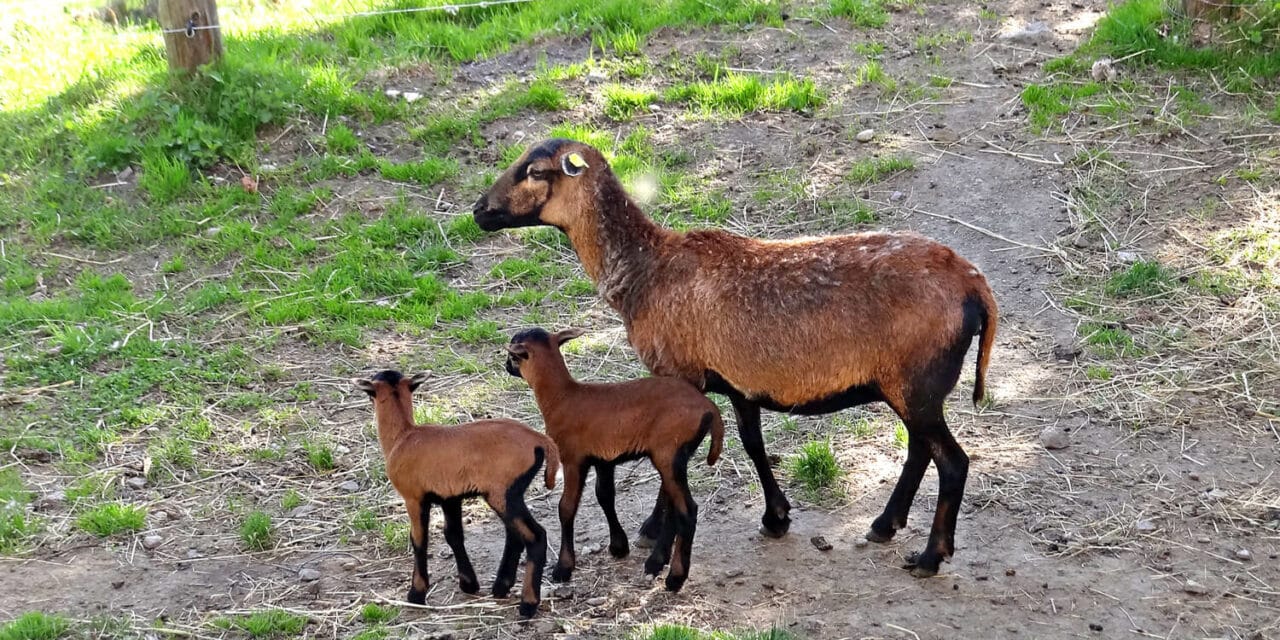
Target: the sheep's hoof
pixel 772 526
pixel 876 536
pixel 620 550
pixel 561 574
pixel 417 597
pixel 501 589
pixel 653 566
pixel 528 609
pixel 644 542
pixel 674 582
pixel 469 586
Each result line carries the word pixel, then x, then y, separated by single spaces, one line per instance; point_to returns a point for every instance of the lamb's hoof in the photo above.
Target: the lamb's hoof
pixel 502 589
pixel 772 526
pixel 470 586
pixel 417 597
pixel 923 565
pixel 643 542
pixel 561 574
pixel 528 609
pixel 620 550
pixel 653 566
pixel 675 582
pixel 876 536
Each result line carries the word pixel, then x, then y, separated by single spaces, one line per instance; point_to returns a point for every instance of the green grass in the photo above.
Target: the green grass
pixel 872 72
pixel 339 138
pixel 255 531
pixel 291 500
pixel 815 466
pixel 623 103
pixel 271 623
pixel 35 625
pixel 900 436
pixel 1145 278
pixel 736 94
pixel 15 525
pixel 112 518
pixel 868 14
pixel 1098 372
pixel 872 169
pixel 373 613
pixel 1108 340
pixel 681 632
pixel 319 455
pixel 164 177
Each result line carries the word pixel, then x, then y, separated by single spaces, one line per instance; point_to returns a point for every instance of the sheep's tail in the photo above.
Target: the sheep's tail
pixel 990 318
pixel 553 461
pixel 713 419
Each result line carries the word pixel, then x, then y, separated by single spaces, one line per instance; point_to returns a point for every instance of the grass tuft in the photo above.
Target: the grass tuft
pixel 255 531
pixel 164 177
pixel 873 169
pixel 1144 278
pixel 265 624
pixel 736 94
pixel 35 625
pixel 868 14
pixel 815 467
pixel 112 518
pixel 373 613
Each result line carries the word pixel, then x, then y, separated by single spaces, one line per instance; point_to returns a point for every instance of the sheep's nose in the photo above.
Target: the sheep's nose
pixel 481 206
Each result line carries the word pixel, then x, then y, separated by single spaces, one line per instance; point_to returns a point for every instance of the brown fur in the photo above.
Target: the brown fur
pixel 431 464
pixel 663 418
pixel 808 325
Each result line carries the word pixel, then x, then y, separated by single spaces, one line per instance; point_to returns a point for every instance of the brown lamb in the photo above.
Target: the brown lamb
pixel 600 425
pixel 493 459
pixel 806 326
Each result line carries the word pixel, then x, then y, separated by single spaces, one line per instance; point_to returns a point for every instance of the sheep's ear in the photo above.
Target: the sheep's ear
pixel 363 385
pixel 518 349
pixel 572 164
pixel 417 380
pixel 562 337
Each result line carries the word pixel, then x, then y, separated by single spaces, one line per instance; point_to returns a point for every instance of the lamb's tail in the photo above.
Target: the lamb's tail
pixel 553 461
pixel 990 318
pixel 713 419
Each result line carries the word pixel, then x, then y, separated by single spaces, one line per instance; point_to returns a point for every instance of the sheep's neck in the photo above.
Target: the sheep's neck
pixel 394 416
pixel 618 246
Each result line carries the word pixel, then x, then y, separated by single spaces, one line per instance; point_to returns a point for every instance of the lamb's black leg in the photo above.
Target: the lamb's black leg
pixel 618 546
pixel 953 470
pixel 776 520
pixel 535 538
pixel 652 527
pixel 453 535
pixel 419 520
pixel 508 565
pixel 574 479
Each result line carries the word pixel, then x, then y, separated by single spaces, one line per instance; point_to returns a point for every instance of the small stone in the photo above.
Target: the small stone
pixel 124 174
pixel 1029 33
pixel 592 549
pixel 137 483
pixel 820 543
pixel 193 553
pixel 733 573
pixel 597 601
pixel 117 584
pixel 546 628
pixel 412 96
pixel 1127 257
pixel 152 541
pixel 1102 71
pixel 1065 352
pixel 1011 572
pixel 393 93
pixel 562 591
pixel 1204 539
pixel 342 449
pixel 865 135
pixel 350 486
pixel 1195 588
pixel 896 196
pixel 49 501
pixel 308 575
pixel 1053 438
pixel 1193 476
pixel 1244 554
pixel 31 454
pixel 943 135
pixel 350 565
pixel 267 167
pixel 1145 526
pixel 301 510
pixel 859 543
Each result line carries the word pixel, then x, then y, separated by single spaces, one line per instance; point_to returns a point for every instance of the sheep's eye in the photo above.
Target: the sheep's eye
pixel 540 174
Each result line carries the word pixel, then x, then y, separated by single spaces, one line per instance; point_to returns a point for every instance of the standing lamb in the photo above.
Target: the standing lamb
pixel 806 326
pixel 600 425
pixel 493 459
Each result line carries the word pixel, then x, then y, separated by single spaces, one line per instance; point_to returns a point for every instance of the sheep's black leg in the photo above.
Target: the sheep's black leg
pixel 671 523
pixel 685 520
pixel 895 512
pixel 507 566
pixel 574 479
pixel 652 527
pixel 618 546
pixel 535 538
pixel 953 470
pixel 776 520
pixel 453 535
pixel 419 519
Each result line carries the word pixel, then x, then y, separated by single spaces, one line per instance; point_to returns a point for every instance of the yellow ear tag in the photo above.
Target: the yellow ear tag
pixel 577 161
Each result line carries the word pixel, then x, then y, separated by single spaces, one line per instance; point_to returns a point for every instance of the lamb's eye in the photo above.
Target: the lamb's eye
pixel 540 174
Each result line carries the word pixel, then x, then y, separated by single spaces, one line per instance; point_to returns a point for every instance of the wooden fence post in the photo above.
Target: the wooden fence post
pixel 198 44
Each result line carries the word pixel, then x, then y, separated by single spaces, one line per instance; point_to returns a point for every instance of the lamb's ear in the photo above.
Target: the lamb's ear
pixel 518 349
pixel 363 385
pixel 562 337
pixel 573 165
pixel 417 380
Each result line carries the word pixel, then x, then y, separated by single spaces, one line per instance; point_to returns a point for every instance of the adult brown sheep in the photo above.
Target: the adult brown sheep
pixel 805 326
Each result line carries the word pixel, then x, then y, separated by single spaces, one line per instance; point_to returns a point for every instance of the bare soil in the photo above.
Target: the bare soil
pixel 1131 530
